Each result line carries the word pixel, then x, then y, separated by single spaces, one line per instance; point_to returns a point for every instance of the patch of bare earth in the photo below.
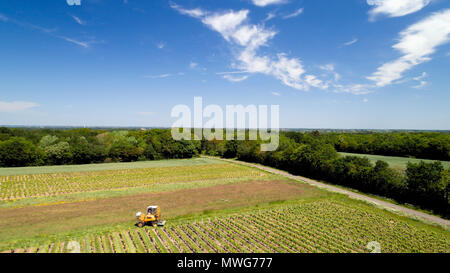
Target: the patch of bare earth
pixel 68 216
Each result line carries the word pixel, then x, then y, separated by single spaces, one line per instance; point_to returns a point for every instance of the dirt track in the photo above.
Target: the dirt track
pixel 65 217
pixel 404 210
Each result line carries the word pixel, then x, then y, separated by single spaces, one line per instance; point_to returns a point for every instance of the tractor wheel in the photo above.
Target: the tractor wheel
pixel 140 224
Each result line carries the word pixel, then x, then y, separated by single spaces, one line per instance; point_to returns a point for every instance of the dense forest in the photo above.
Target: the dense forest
pixel 425 145
pixel 311 154
pixel 34 147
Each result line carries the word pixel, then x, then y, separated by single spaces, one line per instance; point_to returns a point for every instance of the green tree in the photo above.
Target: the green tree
pixel 58 153
pixel 426 183
pixel 18 152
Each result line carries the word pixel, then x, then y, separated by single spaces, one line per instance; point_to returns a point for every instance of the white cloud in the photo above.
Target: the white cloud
pixel 248 39
pixel 263 3
pixel 395 8
pixel 235 79
pixel 270 16
pixel 78 20
pixel 421 80
pixel 16 106
pixel 225 23
pixel 330 68
pixel 421 77
pixel 196 13
pixel 420 85
pixel 354 40
pixel 73 41
pixel 313 81
pixel 161 45
pixel 355 89
pixel 327 67
pixel 276 94
pixel 416 43
pixel 47 31
pixel 294 14
pixel 193 65
pixel 161 76
pixel 365 100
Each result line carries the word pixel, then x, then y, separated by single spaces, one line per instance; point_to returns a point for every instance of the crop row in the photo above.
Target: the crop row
pixel 24 186
pixel 321 226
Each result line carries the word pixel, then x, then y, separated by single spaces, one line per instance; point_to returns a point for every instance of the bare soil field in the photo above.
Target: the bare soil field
pixel 69 216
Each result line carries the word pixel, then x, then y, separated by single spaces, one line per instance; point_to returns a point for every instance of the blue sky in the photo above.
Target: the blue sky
pixel 379 64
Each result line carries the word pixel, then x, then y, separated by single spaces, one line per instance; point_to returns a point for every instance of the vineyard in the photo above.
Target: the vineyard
pixel 319 226
pixel 38 185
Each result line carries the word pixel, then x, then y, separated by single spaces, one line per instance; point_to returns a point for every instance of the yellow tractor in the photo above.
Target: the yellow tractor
pixel 152 217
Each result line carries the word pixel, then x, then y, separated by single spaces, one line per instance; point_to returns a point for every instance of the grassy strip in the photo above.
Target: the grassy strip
pixel 394 161
pixel 106 166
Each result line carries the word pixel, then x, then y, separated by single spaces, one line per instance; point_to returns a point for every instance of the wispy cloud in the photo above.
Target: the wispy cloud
pixel 50 32
pixel 354 40
pixel 420 85
pixel 161 45
pixel 330 69
pixel 270 16
pixel 16 106
pixel 294 14
pixel 235 79
pixel 263 3
pixel 193 65
pixel 421 77
pixel 355 89
pixel 276 94
pixel 416 43
pixel 395 8
pixel 78 20
pixel 73 41
pixel 161 76
pixel 421 80
pixel 365 100
pixel 248 39
pixel 196 13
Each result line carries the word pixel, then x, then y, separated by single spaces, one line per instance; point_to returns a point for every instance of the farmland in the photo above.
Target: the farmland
pixel 394 161
pixel 321 226
pixel 36 185
pixel 210 206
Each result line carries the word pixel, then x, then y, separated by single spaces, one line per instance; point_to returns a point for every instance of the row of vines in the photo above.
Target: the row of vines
pixel 25 186
pixel 321 226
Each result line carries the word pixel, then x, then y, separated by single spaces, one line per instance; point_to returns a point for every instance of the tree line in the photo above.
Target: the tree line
pixel 36 147
pixel 312 155
pixel 425 145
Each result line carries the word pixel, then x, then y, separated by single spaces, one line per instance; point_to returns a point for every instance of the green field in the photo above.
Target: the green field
pixel 310 227
pixel 209 205
pixel 395 162
pixel 106 166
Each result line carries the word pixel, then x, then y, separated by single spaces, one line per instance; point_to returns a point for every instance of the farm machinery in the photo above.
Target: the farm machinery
pixel 152 217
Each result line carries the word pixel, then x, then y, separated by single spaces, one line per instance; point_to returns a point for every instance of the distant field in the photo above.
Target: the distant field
pixel 106 166
pixel 396 162
pixel 17 187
